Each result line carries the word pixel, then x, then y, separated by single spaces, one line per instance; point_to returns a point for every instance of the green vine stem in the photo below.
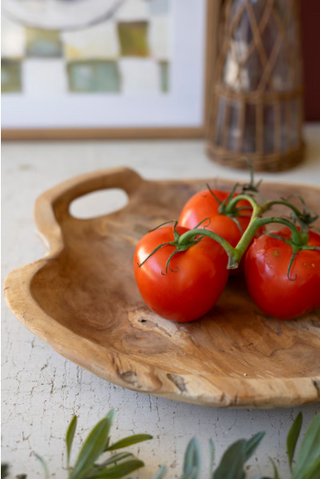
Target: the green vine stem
pixel 270 203
pixel 257 209
pixel 230 208
pixel 235 254
pixel 187 237
pixel 298 238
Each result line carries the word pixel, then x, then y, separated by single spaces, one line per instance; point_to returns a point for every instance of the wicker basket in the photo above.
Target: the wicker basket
pixel 257 105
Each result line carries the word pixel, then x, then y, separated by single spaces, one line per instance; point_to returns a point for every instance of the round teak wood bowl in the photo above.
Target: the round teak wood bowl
pixel 82 299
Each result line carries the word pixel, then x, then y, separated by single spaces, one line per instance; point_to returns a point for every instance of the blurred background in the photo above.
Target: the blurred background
pixel 240 73
pixel 103 65
pixel 85 47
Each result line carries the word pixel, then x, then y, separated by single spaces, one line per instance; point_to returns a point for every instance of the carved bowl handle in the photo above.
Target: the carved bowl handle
pixel 52 207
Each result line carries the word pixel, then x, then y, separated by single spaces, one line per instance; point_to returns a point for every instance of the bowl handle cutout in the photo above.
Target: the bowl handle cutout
pixel 98 203
pixel 53 206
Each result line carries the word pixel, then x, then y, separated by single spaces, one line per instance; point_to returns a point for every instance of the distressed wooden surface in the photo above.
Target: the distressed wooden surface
pixel 83 300
pixel 41 390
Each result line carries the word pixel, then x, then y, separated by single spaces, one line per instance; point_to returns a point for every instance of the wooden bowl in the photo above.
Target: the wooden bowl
pixel 81 298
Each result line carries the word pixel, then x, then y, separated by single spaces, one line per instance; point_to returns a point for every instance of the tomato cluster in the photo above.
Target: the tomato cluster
pixel 181 280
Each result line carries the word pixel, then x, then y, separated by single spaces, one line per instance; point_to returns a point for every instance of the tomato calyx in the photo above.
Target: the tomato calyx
pixel 236 211
pixel 179 247
pixel 304 218
pixel 251 188
pixel 295 248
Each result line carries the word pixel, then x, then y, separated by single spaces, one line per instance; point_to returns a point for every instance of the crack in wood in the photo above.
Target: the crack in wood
pixel 177 381
pixel 129 377
pixel 316 383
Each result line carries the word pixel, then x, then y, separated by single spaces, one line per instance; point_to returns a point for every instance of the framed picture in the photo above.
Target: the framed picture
pixel 143 72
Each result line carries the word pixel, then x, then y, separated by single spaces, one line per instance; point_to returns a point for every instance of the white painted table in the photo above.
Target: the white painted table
pixel 41 390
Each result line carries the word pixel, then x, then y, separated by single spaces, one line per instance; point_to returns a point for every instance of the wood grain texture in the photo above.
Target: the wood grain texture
pixel 82 299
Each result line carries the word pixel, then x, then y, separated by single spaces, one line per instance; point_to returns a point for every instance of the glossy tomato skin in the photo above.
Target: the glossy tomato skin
pixel 203 205
pixel 266 266
pixel 192 290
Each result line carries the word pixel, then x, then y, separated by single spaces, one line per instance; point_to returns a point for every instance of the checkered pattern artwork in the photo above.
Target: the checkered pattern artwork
pixel 127 55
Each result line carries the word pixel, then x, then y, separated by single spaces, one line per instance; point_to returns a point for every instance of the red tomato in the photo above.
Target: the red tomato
pixel 203 205
pixel 194 284
pixel 266 266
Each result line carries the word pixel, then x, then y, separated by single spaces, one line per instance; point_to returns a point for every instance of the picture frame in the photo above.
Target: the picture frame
pixel 177 126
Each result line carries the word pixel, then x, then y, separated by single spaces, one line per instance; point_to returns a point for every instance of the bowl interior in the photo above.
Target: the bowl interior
pixel 90 289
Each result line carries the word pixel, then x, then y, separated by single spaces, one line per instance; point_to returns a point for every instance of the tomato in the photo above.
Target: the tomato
pixel 266 267
pixel 192 285
pixel 203 205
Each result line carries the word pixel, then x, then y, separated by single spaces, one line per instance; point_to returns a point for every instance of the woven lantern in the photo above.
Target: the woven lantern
pixel 257 99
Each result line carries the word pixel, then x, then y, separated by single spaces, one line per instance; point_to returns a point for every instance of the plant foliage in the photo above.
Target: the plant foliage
pixel 92 462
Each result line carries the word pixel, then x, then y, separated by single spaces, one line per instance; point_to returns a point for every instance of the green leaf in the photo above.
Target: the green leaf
pixel 232 462
pixel 252 444
pixel 4 470
pixel 107 444
pixel 93 447
pixel 46 472
pixel 116 472
pixel 275 470
pixel 112 460
pixel 192 460
pixel 310 449
pixel 160 473
pixel 129 441
pixel 192 474
pixel 211 446
pixel 103 465
pixel 293 438
pixel 69 437
pixel 313 471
